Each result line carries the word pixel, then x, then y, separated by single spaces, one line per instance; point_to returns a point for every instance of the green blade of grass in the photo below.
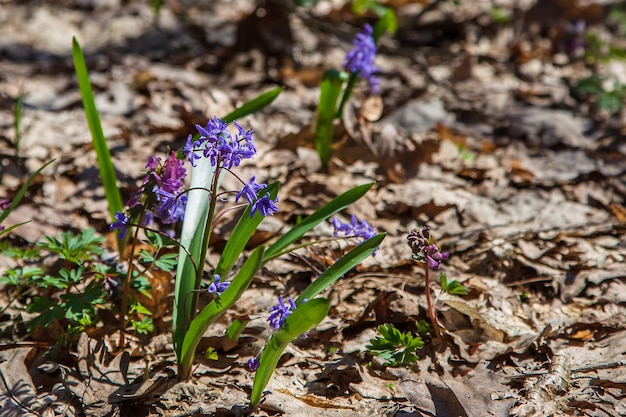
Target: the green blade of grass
pixel 303 319
pixel 105 165
pixel 22 191
pixel 332 207
pixel 253 105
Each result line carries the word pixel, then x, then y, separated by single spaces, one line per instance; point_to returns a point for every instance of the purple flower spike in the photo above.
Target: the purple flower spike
pixel 280 312
pixel 423 248
pixel 121 223
pixel 218 287
pixel 360 59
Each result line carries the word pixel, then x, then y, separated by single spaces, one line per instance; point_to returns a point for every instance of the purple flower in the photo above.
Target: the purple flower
pixel 253 364
pixel 219 145
pixel 355 228
pixel 280 312
pixel 172 175
pixel 250 190
pixel 121 223
pixel 265 205
pixel 170 207
pixel 423 248
pixel 189 150
pixel 360 59
pixel 217 287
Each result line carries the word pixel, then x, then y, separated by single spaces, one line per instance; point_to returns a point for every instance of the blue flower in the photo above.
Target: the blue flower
pixel 218 287
pixel 360 59
pixel 280 312
pixel 121 223
pixel 253 364
pixel 250 190
pixel 219 145
pixel 265 205
pixel 189 150
pixel 170 207
pixel 355 228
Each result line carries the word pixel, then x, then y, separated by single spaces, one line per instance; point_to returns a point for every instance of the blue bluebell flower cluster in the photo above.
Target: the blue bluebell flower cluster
pixel 217 144
pixel 161 193
pixel 355 228
pixel 360 59
pixel 424 249
pixel 280 312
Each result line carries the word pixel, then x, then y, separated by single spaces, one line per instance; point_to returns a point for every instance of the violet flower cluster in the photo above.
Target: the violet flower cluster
pixel 355 228
pixel 424 250
pixel 360 59
pixel 280 312
pixel 165 199
pixel 161 192
pixel 226 151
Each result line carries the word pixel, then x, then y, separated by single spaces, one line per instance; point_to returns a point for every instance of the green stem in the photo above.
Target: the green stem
pixel 347 93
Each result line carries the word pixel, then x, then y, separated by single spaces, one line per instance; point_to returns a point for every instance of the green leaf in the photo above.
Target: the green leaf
pixel 167 261
pixel 395 347
pixel 240 236
pixel 192 237
pixel 254 105
pixel 105 165
pixel 20 194
pixel 215 309
pixel 451 287
pixel 19 106
pixel 303 319
pixel 211 354
pixel 341 267
pixel 332 207
pixel 388 22
pixel 144 326
pixel 330 89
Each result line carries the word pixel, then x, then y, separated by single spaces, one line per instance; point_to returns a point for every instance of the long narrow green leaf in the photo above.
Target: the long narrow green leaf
pixel 105 165
pixel 216 308
pixel 332 207
pixel 20 194
pixel 19 107
pixel 254 105
pixel 15 226
pixel 339 268
pixel 330 89
pixel 240 236
pixel 303 319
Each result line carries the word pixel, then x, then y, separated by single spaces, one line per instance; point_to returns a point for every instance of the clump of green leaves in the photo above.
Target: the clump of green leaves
pixel 76 286
pixel 64 294
pixel 611 99
pixel 395 347
pixel 451 287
